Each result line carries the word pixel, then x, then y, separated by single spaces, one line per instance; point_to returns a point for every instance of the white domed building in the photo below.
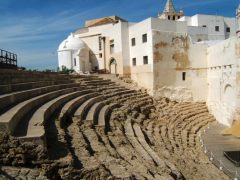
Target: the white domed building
pixel 73 53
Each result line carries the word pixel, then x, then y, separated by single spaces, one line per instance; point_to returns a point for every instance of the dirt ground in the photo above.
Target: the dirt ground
pixel 143 138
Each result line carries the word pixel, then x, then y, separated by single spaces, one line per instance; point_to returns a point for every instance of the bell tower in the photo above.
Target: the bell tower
pixel 170 12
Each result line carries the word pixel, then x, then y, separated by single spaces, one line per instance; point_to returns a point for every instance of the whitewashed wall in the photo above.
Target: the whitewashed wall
pixel 223 79
pixel 141 73
pixel 210 21
pixel 117 32
pixel 65 59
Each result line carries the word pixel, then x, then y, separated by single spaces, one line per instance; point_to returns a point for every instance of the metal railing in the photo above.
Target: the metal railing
pixel 7 59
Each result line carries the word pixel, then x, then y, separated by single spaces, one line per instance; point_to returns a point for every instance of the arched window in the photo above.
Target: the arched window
pixel 113 66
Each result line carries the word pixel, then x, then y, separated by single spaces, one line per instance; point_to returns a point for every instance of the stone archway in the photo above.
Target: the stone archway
pixel 228 95
pixel 228 104
pixel 113 66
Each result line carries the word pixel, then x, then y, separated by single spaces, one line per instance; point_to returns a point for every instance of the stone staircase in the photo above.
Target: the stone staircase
pixel 94 128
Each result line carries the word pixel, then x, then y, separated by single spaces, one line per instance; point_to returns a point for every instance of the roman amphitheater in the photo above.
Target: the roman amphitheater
pixel 97 127
pixel 158 99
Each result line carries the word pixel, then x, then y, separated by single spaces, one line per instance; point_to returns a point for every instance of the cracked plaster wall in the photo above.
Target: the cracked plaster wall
pixel 174 54
pixel 224 81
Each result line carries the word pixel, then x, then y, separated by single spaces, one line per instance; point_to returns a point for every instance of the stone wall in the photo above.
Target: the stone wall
pixel 223 81
pixel 179 67
pixel 143 76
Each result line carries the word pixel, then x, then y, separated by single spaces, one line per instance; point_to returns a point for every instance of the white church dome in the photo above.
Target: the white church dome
pixel 72 43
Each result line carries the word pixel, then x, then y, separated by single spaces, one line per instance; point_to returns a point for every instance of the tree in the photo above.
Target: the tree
pixel 65 70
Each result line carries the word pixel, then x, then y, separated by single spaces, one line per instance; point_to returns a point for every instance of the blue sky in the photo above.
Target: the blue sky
pixel 33 29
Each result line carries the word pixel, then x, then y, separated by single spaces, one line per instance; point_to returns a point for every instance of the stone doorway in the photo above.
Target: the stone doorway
pixel 113 66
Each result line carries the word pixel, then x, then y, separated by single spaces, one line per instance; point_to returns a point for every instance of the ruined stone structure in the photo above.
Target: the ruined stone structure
pixel 89 127
pixel 194 53
pixel 56 126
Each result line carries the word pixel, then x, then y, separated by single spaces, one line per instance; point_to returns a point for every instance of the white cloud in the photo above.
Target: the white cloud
pixel 36 38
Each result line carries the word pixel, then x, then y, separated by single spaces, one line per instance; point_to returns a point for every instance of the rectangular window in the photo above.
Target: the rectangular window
pixel 183 76
pixel 216 28
pixel 145 59
pixel 204 26
pixel 100 43
pixel 133 41
pixel 134 61
pixel 111 46
pixel 100 55
pixel 144 38
pixel 75 61
pixel 228 29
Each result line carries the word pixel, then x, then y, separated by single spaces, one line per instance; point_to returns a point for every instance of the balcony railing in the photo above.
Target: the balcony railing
pixel 7 59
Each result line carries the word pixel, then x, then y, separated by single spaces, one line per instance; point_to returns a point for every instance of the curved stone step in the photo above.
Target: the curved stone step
pixel 108 87
pixel 112 89
pixel 129 96
pixel 104 114
pixel 138 147
pixel 23 86
pixel 128 153
pixel 114 165
pixel 9 88
pixel 35 129
pixel 80 149
pixel 103 88
pixel 152 153
pixel 7 100
pixel 145 98
pixel 94 111
pixel 86 77
pixel 99 83
pixel 69 108
pixel 10 119
pixel 96 81
pixel 81 112
pixel 23 77
pixel 119 93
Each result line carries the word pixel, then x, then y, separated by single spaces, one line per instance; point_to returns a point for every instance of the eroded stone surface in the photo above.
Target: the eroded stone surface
pixel 143 138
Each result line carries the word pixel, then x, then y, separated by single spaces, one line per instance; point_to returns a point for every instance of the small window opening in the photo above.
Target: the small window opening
pixel 134 61
pixel 111 46
pixel 228 29
pixel 75 61
pixel 144 38
pixel 133 41
pixel 99 43
pixel 183 76
pixel 145 59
